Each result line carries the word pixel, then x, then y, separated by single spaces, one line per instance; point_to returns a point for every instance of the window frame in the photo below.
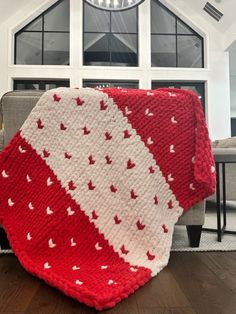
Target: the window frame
pixel 109 34
pixel 176 34
pixel 43 31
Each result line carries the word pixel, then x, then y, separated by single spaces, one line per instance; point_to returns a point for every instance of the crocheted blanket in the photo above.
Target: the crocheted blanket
pixel 94 182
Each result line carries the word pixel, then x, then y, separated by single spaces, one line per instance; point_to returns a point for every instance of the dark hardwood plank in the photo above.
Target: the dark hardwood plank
pixel 203 288
pixel 223 265
pixel 51 300
pixel 16 286
pixel 192 283
pixel 164 310
pixel 162 291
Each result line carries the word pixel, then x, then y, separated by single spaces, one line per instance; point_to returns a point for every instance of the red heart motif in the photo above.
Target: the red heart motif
pixel 117 220
pixel 63 127
pixel 124 250
pixel 79 101
pixel 67 156
pixel 130 164
pixel 108 160
pixel 151 169
pixel 91 160
pixel 40 124
pixel 165 229
pixel 94 215
pixel 113 188
pixel 56 98
pixel 133 195
pixel 155 200
pixel 46 154
pixel 71 186
pixel 170 204
pixel 108 136
pixel 86 130
pixel 140 225
pixel 150 256
pixel 91 186
pixel 127 134
pixel 103 105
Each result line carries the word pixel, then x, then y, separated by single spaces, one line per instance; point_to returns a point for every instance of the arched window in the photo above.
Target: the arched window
pixel 110 38
pixel 174 43
pixel 45 40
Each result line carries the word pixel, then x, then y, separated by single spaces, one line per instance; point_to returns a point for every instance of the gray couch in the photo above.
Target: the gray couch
pixel 226 146
pixel 14 109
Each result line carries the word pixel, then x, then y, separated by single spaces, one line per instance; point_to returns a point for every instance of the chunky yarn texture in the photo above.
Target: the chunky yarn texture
pixel 94 182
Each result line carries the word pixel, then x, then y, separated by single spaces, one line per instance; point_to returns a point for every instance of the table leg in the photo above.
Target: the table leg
pixel 218 202
pixel 224 195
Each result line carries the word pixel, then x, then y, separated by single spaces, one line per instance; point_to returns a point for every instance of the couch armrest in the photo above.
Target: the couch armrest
pixel 1 139
pixel 195 215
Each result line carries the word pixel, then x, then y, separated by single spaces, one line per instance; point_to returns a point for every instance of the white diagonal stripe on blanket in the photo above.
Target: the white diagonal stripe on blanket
pixel 106 204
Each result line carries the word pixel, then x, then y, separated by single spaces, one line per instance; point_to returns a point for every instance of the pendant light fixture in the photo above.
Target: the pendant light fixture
pixel 114 5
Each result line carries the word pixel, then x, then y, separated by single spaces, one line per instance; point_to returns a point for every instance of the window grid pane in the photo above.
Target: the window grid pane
pixel 56 48
pixel 29 48
pixel 189 51
pixel 164 50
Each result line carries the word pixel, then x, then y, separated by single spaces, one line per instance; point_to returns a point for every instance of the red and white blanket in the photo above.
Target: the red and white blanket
pixel 94 182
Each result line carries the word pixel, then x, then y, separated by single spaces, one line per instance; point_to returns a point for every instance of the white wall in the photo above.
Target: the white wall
pixel 216 73
pixel 233 95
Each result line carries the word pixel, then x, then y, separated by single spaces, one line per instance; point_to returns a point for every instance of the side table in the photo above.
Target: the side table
pixel 222 157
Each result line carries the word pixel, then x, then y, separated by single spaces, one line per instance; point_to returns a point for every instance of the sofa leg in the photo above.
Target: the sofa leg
pixel 4 243
pixel 194 235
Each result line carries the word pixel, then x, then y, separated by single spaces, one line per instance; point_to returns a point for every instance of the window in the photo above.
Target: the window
pixel 110 83
pixel 233 126
pixel 110 38
pixel 173 43
pixel 46 39
pixel 40 84
pixel 196 87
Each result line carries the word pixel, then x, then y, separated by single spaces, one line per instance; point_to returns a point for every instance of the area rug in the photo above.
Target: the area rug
pixel 94 182
pixel 208 239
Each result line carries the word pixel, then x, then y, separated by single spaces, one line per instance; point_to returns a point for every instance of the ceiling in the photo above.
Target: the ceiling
pixel 227 7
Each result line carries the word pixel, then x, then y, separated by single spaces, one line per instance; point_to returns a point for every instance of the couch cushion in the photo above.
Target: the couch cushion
pixel 16 106
pixel 219 151
pixel 225 143
pixel 195 216
pixel 1 140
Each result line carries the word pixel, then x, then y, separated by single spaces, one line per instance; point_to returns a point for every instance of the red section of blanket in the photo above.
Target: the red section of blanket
pixel 48 234
pixel 172 124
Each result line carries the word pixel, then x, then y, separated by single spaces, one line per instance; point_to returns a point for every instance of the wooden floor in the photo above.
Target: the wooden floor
pixel 202 283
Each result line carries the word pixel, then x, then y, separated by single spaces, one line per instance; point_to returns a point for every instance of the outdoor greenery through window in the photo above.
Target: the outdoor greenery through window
pixel 110 38
pixel 173 43
pixel 46 39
